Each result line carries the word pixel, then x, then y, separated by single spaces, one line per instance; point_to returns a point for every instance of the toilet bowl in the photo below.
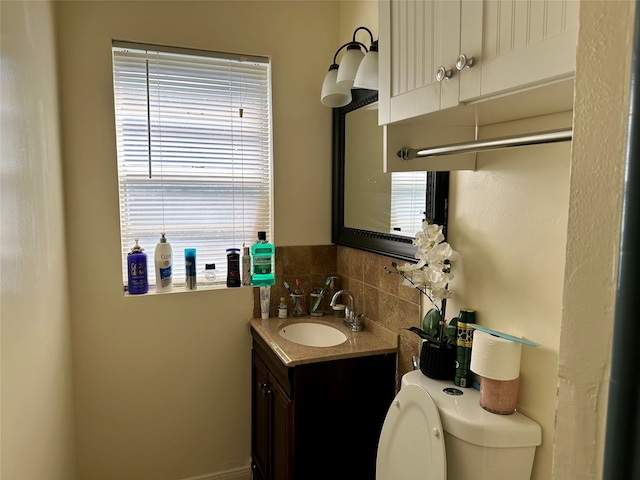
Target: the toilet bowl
pixel 435 430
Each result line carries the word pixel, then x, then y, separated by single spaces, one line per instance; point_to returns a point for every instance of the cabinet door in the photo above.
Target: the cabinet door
pixel 417 37
pixel 521 44
pixel 281 434
pixel 260 419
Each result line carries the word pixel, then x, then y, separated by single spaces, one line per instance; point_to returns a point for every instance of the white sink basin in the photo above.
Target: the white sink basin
pixel 312 334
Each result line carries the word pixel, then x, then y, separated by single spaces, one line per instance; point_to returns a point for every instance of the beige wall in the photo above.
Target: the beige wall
pixel 37 427
pixel 508 221
pixel 163 382
pixel 354 14
pixel 597 161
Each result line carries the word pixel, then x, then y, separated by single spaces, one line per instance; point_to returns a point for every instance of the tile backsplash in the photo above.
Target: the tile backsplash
pixel 378 294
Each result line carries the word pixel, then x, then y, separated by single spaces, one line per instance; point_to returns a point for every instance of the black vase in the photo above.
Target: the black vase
pixel 438 360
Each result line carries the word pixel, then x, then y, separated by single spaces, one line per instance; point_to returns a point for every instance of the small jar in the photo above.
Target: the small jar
pixel 283 311
pixel 209 274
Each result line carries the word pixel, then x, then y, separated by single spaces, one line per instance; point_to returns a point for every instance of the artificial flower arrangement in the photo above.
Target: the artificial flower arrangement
pixel 431 276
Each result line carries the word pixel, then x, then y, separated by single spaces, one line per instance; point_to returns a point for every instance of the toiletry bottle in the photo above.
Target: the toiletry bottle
pixel 137 270
pixel 262 256
pixel 233 267
pixel 209 274
pixel 163 257
pixel 265 302
pixel 190 269
pixel 282 308
pixel 246 265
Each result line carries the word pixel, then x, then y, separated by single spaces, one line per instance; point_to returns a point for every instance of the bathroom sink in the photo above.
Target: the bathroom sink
pixel 312 334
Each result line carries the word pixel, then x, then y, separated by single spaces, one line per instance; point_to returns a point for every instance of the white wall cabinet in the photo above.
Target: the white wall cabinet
pixel 523 55
pixel 520 44
pixel 418 38
pixel 515 45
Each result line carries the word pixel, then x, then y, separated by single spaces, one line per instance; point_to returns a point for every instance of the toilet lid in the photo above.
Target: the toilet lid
pixel 411 443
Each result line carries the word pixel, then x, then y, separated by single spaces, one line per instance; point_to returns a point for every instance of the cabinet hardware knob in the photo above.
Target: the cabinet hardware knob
pixel 443 73
pixel 465 62
pixel 265 389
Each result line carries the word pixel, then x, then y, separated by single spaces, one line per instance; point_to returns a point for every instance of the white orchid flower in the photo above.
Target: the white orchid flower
pixel 431 274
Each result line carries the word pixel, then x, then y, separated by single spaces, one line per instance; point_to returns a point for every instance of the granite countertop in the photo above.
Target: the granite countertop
pixel 373 340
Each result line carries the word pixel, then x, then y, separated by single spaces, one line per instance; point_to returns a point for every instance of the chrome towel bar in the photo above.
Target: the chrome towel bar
pixel 551 136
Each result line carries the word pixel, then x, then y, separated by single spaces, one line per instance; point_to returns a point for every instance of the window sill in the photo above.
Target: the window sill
pixel 181 289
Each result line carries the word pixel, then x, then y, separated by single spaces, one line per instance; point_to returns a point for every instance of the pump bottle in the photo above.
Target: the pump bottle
pixel 163 258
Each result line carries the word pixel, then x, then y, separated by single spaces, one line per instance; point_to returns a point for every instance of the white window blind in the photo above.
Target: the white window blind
pixel 194 152
pixel 408 199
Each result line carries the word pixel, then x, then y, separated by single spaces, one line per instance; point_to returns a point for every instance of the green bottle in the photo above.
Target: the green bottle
pixel 262 262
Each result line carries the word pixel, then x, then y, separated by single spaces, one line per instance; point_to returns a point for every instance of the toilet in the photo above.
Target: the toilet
pixel 435 430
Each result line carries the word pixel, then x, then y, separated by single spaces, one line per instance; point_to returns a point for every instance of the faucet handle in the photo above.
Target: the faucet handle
pixel 356 325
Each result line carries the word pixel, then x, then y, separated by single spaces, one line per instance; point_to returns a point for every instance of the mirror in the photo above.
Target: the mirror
pixel 372 210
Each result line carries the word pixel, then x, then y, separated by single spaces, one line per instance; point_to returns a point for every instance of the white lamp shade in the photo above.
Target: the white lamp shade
pixel 349 66
pixel 333 95
pixel 367 75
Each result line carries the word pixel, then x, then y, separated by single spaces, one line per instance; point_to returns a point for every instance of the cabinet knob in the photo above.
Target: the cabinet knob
pixel 464 62
pixel 443 73
pixel 265 389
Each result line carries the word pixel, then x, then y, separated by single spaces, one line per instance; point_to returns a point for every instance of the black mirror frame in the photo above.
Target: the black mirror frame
pixel 395 246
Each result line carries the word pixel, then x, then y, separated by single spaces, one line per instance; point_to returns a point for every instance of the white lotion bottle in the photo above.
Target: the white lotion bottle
pixel 164 265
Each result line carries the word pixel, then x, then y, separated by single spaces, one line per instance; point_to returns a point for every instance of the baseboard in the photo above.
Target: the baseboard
pixel 235 474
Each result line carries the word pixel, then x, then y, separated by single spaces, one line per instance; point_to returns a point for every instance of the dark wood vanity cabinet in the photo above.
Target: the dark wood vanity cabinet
pixel 272 425
pixel 318 420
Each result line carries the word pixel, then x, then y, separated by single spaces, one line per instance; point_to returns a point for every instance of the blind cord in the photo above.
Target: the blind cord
pixel 148 115
pixel 164 228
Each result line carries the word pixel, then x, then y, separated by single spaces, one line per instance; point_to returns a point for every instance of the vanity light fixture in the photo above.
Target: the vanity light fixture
pixel 357 70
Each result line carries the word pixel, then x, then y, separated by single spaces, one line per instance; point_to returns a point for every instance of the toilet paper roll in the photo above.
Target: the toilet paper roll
pixel 494 357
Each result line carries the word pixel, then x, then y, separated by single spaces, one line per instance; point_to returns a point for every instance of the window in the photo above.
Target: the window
pixel 408 200
pixel 193 135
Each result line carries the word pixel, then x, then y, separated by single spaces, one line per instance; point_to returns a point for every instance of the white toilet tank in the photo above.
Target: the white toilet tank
pixel 478 444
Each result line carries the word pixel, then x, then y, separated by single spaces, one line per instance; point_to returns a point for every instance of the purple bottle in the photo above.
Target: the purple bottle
pixel 137 270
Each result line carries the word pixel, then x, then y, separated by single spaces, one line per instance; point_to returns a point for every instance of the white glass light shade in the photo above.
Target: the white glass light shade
pixel 333 95
pixel 367 75
pixel 349 66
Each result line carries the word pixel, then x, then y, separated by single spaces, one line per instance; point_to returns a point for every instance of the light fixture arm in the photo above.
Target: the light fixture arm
pixel 363 28
pixel 349 45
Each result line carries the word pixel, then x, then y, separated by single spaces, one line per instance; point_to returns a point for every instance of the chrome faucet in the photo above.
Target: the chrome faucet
pixel 351 318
